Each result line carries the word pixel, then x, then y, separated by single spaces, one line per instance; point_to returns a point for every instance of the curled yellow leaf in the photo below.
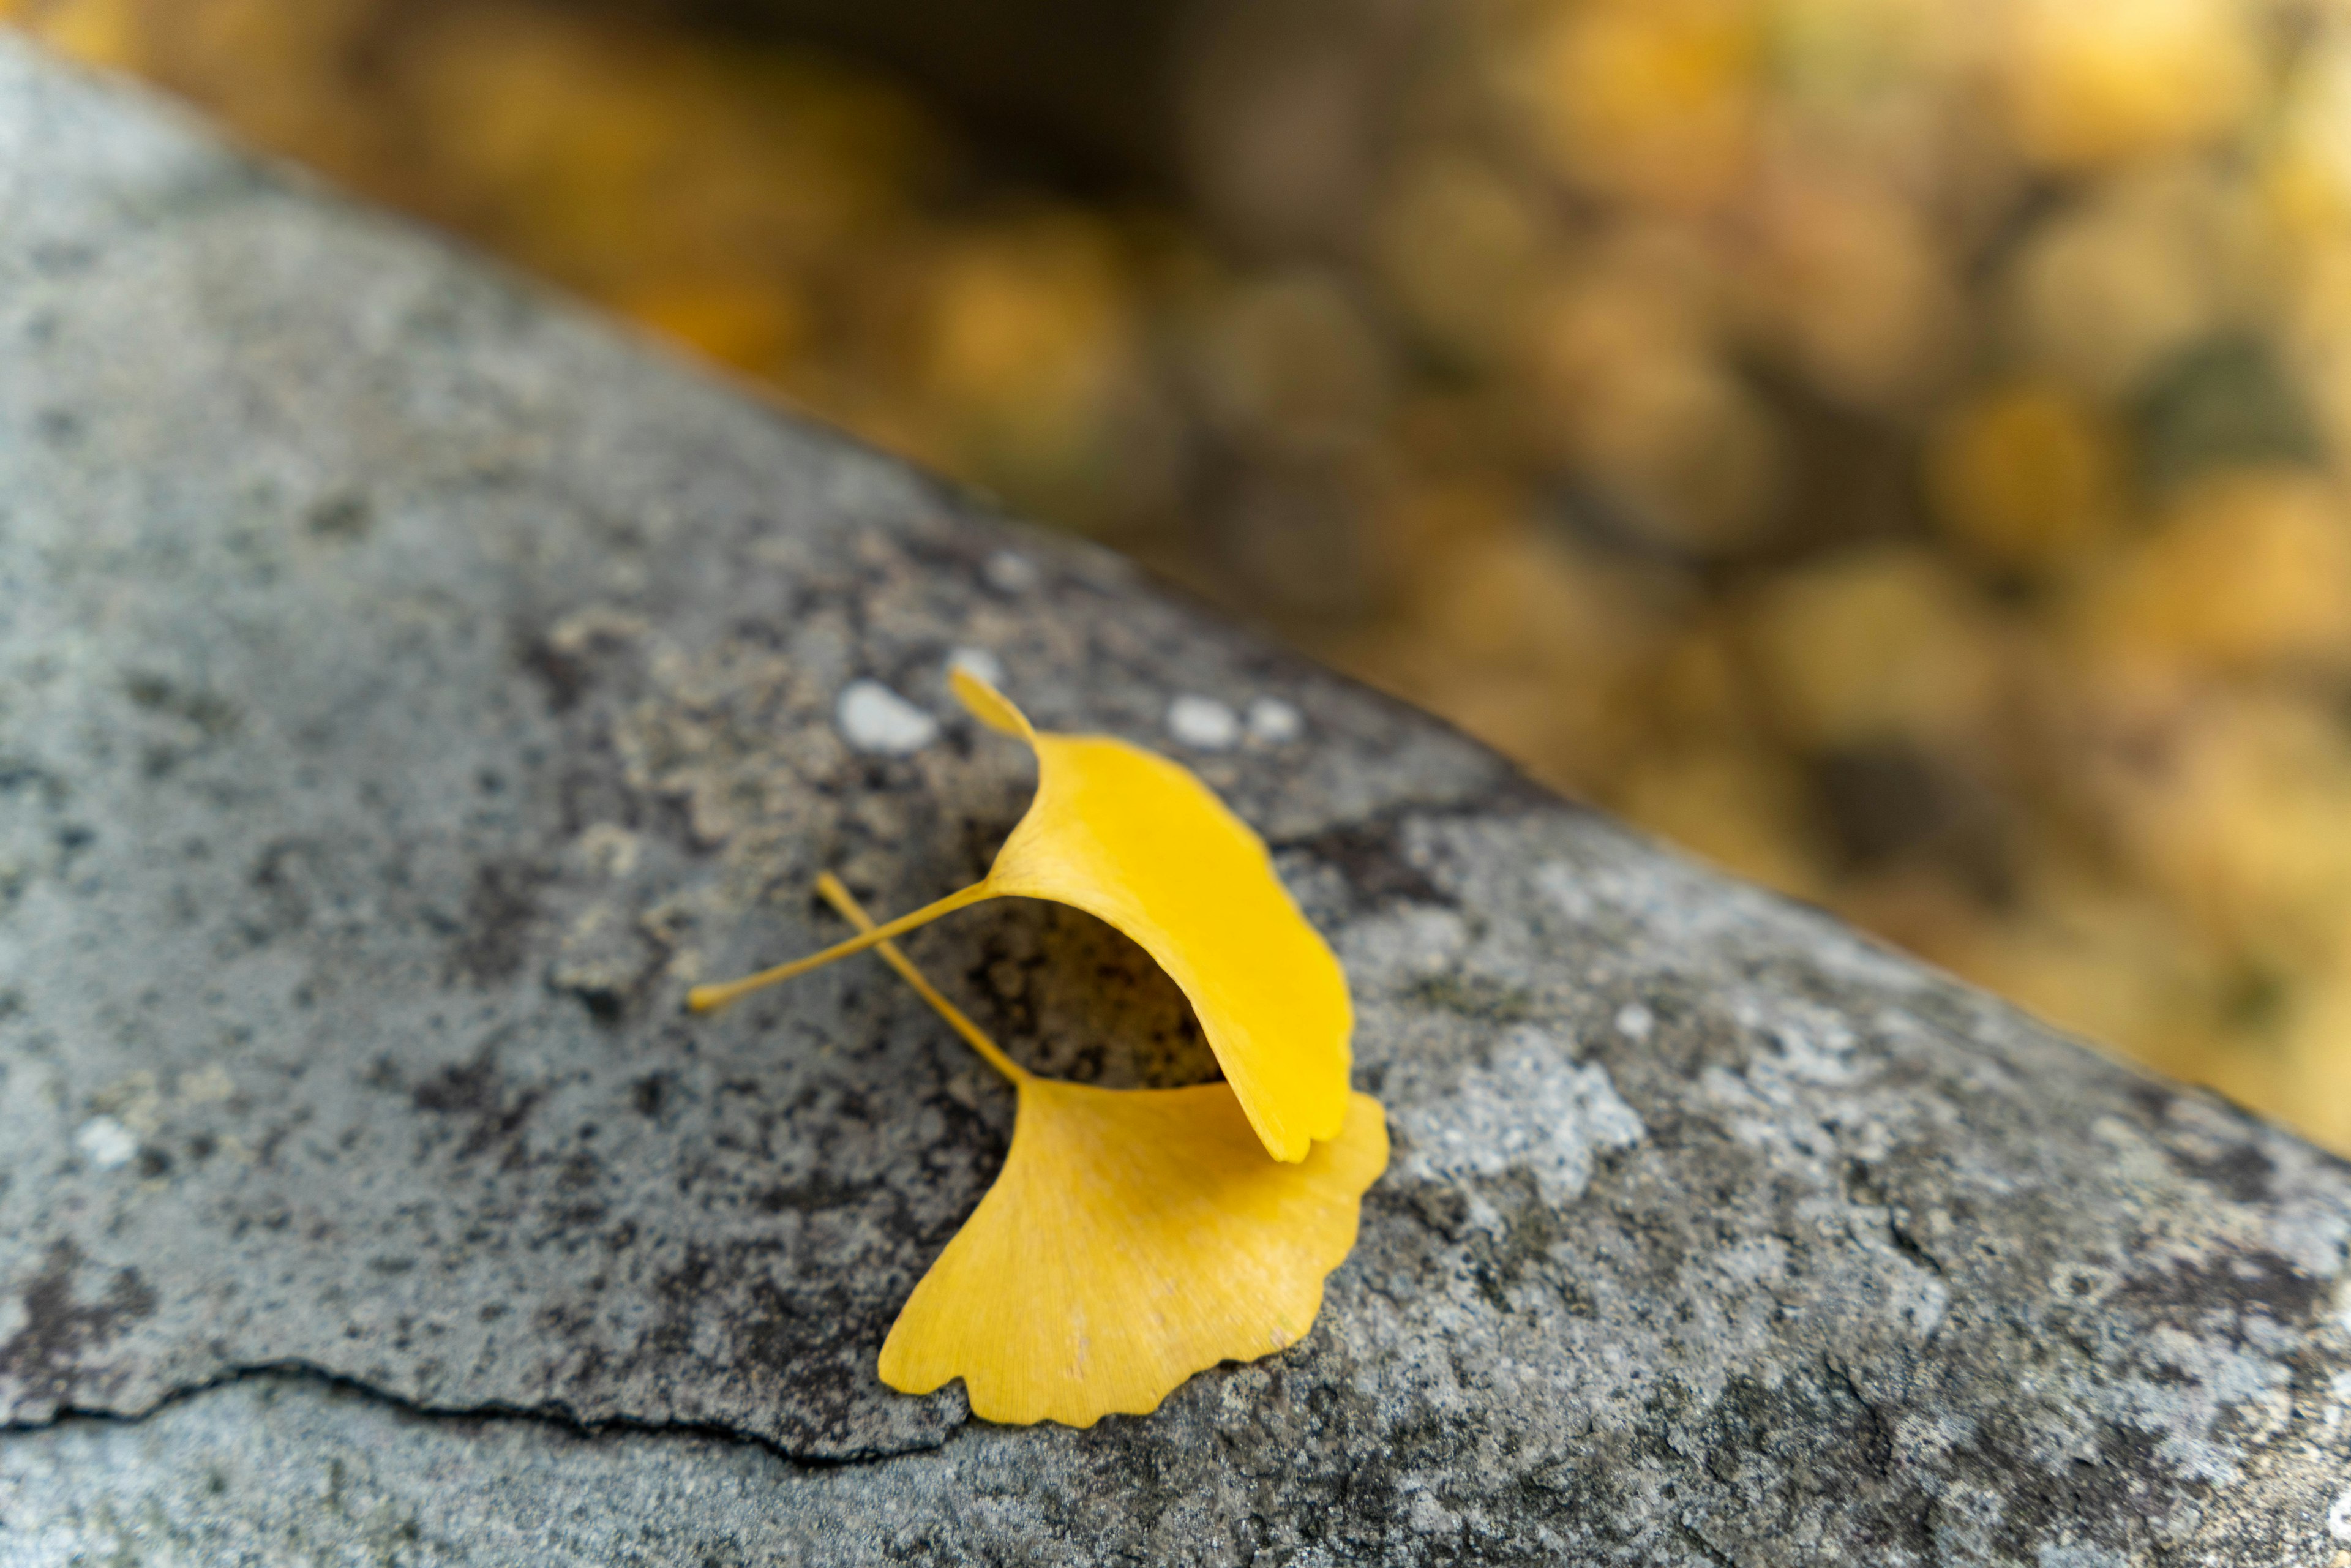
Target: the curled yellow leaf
pixel 1138 840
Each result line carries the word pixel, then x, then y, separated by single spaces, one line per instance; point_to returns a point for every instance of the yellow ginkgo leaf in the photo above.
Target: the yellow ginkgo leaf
pixel 1133 838
pixel 1134 1238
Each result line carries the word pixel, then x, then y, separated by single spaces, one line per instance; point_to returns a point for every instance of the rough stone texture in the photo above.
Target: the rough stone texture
pixel 407 688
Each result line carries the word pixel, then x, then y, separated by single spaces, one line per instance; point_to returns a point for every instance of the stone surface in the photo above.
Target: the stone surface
pixel 407 688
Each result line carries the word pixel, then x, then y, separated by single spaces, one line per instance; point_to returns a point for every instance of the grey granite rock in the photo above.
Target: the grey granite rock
pixel 407 687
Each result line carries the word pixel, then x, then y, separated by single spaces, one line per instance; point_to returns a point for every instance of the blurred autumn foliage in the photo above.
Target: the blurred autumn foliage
pixel 1895 448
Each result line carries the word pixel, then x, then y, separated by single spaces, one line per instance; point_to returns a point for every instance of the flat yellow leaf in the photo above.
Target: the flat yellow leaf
pixel 1134 1238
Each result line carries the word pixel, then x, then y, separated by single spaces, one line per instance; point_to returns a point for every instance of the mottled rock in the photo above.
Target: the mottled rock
pixel 408 687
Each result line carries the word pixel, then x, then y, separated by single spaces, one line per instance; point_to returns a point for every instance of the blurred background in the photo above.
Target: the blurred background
pixel 1895 449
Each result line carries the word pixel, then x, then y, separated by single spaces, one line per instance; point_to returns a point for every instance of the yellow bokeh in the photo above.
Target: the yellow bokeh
pixel 1881 646
pixel 1652 101
pixel 2092 82
pixel 2028 475
pixel 2246 571
pixel 1740 808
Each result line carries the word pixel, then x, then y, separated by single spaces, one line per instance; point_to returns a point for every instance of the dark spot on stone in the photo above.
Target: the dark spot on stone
pixel 803 1348
pixel 578 1173
pixel 565 678
pixel 281 875
pixel 563 1319
pixel 690 1281
pixel 475 1089
pixel 2233 1282
pixel 42 1358
pixel 215 717
pixel 604 1004
pixel 457 1089
pixel 18 774
pixel 649 1093
pixel 2240 1171
pixel 1474 996
pixel 153 1163
pixel 1443 1210
pixel 493 939
pixel 345 518
pixel 2151 1099
pixel 1779 1446
pixel 1529 1227
pixel 2099 1501
pixel 63 258
pixel 1374 864
pixel 391 1266
pixel 596 793
pixel 59 426
pixel 813 1196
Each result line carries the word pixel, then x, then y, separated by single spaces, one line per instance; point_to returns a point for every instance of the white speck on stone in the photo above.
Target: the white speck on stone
pixel 875 718
pixel 1916 1301
pixel 1414 942
pixel 2197 1381
pixel 2079 1554
pixel 1007 571
pixel 106 1142
pixel 1564 885
pixel 2339 1386
pixel 1203 723
pixel 610 849
pixel 1430 1517
pixel 1534 1107
pixel 1272 722
pixel 979 662
pixel 1634 1021
pixel 1758 1261
pixel 1818 1047
pixel 2338 1517
pixel 207 1085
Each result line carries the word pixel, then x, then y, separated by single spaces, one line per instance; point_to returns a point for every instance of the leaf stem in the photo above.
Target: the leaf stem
pixel 828 886
pixel 705 998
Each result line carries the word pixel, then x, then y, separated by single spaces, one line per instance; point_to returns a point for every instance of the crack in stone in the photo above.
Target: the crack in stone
pixel 551 1417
